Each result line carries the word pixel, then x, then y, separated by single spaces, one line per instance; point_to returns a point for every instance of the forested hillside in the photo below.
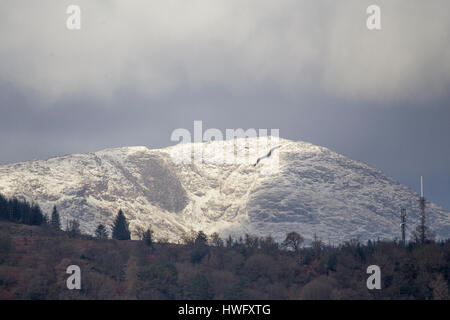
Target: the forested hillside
pixel 33 262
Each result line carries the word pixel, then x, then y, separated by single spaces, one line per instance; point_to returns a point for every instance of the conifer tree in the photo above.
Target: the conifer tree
pixel 120 230
pixel 147 237
pixel 3 208
pixel 101 232
pixel 73 228
pixel 201 239
pixel 55 220
pixel 35 216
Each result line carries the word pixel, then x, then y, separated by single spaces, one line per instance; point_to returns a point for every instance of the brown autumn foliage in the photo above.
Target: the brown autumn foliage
pixel 33 262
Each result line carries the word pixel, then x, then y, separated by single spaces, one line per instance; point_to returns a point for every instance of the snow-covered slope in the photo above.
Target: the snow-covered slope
pixel 314 190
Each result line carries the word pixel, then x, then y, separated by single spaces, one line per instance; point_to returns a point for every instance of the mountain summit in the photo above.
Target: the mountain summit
pixel 312 191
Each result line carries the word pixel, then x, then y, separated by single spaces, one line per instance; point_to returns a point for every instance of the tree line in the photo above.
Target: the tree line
pixel 203 266
pixel 23 212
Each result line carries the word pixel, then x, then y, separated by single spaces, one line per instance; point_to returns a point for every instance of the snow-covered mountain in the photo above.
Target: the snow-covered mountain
pixel 313 191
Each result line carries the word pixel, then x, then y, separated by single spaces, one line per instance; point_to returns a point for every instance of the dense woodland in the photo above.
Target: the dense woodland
pixel 21 212
pixel 35 252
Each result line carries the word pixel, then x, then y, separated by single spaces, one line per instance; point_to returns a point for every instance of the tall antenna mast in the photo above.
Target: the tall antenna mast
pixel 422 205
pixel 403 225
pixel 421 186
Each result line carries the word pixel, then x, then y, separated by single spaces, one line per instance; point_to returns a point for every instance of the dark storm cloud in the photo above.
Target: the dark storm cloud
pixel 138 70
pixel 157 46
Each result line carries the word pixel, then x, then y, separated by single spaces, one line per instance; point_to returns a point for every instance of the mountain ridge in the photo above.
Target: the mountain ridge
pixel 314 191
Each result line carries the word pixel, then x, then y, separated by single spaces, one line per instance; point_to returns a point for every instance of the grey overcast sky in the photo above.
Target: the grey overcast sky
pixel 137 70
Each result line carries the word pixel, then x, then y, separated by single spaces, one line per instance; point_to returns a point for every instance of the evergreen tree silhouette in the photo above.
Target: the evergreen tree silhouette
pixel 120 229
pixel 101 232
pixel 147 237
pixel 20 211
pixel 55 220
